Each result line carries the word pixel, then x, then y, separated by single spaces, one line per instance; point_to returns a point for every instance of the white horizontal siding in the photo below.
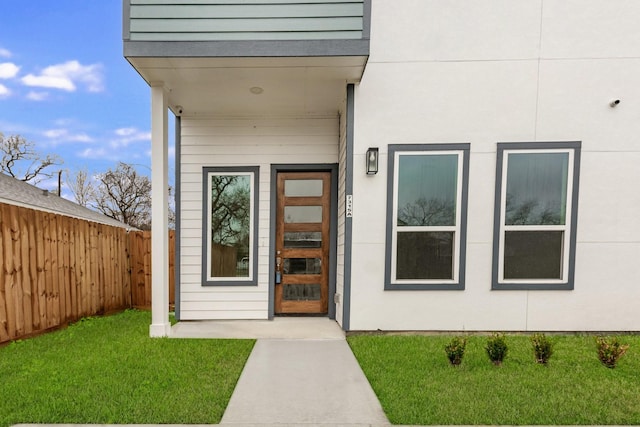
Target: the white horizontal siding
pixel 226 315
pixel 259 142
pixel 245 10
pixel 245 20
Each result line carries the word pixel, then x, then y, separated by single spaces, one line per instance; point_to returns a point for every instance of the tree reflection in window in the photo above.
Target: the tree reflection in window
pixel 230 225
pixel 536 189
pixel 432 212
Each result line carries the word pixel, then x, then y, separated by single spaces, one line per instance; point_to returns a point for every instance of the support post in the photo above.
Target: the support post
pixel 160 326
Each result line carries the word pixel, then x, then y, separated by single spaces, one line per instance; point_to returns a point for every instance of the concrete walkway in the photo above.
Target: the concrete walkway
pixel 301 372
pixel 303 382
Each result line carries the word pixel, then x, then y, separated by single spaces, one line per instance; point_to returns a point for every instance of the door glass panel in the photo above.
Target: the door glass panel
pixel 303 187
pixel 302 239
pixel 302 266
pixel 304 214
pixel 307 292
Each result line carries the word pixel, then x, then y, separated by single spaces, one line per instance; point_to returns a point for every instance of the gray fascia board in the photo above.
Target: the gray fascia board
pixel 366 20
pixel 245 48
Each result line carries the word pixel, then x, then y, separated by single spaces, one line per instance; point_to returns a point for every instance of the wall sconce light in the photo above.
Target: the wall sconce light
pixel 372 161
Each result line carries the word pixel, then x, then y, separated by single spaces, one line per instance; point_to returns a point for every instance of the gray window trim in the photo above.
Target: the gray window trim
pixel 393 149
pixel 348 221
pixel 569 284
pixel 255 170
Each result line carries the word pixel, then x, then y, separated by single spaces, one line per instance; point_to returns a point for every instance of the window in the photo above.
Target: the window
pixel 426 216
pixel 536 212
pixel 230 218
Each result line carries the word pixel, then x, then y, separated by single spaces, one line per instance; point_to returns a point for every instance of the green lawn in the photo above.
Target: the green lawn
pixel 416 385
pixel 108 370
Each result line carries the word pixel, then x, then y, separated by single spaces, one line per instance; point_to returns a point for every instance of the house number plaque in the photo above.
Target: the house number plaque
pixel 349 207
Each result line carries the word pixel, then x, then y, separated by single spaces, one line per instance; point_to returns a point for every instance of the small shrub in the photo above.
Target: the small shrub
pixel 497 348
pixel 610 349
pixel 542 348
pixel 455 350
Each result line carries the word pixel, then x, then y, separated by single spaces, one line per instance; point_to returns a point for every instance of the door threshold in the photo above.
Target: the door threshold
pixel 301 315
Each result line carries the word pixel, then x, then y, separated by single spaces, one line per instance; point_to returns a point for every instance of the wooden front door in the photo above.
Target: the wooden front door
pixel 303 218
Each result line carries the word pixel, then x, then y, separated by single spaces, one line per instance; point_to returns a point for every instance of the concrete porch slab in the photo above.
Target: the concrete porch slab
pixel 317 328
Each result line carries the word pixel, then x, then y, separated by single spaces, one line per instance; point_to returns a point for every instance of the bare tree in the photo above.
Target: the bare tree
pixel 125 195
pixel 21 161
pixel 82 188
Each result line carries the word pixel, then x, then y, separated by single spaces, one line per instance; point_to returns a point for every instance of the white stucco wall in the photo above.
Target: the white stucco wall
pixel 494 71
pixel 208 141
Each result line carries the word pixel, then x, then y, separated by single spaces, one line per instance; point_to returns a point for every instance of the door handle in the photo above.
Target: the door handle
pixel 278 272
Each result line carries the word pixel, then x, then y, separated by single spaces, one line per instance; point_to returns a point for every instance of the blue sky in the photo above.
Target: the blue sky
pixel 65 85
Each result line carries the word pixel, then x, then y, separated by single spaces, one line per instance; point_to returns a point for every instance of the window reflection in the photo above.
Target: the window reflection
pixel 536 189
pixel 427 189
pixel 230 225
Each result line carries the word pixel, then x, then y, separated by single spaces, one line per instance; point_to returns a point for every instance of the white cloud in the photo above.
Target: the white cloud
pixel 64 135
pixel 4 53
pixel 4 91
pixel 93 153
pixel 8 70
pixel 128 135
pixel 66 76
pixel 55 133
pixel 37 96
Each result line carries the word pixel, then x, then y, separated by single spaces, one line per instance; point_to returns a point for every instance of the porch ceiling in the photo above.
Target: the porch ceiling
pixel 222 86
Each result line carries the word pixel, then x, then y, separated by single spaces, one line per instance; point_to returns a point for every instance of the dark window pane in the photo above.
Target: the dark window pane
pixel 230 225
pixel 303 187
pixel 302 239
pixel 536 188
pixel 533 254
pixel 427 189
pixel 302 214
pixel 302 266
pixel 301 292
pixel 425 255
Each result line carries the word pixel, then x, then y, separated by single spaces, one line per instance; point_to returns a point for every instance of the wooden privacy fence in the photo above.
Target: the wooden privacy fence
pixel 56 269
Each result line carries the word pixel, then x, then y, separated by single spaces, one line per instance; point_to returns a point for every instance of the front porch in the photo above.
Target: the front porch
pixel 317 328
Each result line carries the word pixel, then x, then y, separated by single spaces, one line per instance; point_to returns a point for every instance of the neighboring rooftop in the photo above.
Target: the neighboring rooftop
pixel 16 192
